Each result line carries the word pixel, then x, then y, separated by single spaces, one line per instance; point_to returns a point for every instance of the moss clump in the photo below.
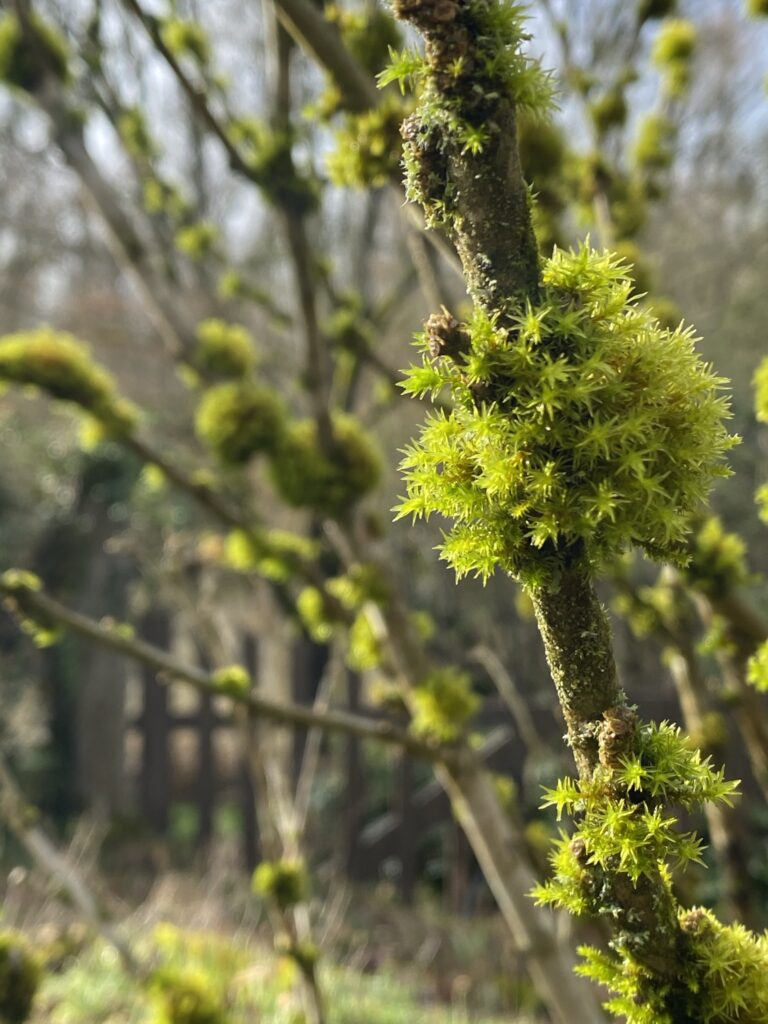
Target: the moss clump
pixel 369 35
pixel 134 133
pixel 442 705
pixel 368 147
pixel 717 563
pixel 233 680
pixel 609 110
pixel 673 51
pixel 185 39
pixel 269 155
pixel 24 61
pixel 239 420
pixel 18 585
pixel 584 428
pixel 652 149
pixel 60 365
pixel 757 669
pixel 284 881
pixel 224 349
pixel 197 240
pixel 20 977
pixel 328 482
pixel 185 997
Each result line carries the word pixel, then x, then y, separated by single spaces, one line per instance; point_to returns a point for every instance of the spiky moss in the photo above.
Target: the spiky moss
pixel 184 997
pixel 284 881
pixel 61 366
pixel 224 349
pixel 725 977
pixel 24 62
pixel 626 840
pixel 717 563
pixel 238 420
pixel 332 482
pixel 368 146
pixel 757 669
pixel 586 426
pixel 442 705
pixel 638 268
pixel 475 67
pixel 20 977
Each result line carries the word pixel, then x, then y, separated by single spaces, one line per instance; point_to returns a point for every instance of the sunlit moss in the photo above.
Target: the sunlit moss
pixel 61 366
pixel 224 349
pixel 239 420
pixel 284 881
pixel 585 423
pixel 330 482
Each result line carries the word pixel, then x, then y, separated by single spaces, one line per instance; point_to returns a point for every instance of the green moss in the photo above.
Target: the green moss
pixel 368 34
pixel 637 265
pixel 20 977
pixel 284 881
pixel 330 483
pixel 442 705
pixel 197 240
pixel 757 669
pixel 757 8
pixel 25 62
pixel 61 366
pixel 224 349
pixel 184 997
pixel 163 197
pixel 239 420
pixel 276 554
pixel 134 133
pixel 673 51
pixel 233 680
pixel 586 424
pixel 269 156
pixel 368 147
pixel 652 149
pixel 609 110
pixel 676 40
pixel 18 584
pixel 717 563
pixel 185 39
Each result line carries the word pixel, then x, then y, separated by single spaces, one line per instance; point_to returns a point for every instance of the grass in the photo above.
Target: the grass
pixel 251 983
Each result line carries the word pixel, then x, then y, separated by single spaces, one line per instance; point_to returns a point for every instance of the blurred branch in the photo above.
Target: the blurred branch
pixel 282 713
